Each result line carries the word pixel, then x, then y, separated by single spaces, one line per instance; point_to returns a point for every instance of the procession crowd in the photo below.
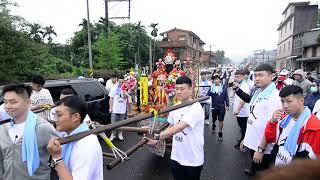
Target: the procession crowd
pixel 277 114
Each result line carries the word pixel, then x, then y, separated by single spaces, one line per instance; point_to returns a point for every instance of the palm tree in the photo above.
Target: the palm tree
pixel 84 23
pixel 35 32
pixel 48 32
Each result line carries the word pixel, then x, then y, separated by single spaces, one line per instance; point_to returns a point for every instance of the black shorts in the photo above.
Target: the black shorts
pixel 218 114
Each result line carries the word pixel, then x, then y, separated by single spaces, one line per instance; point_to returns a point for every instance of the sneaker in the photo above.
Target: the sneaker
pixel 120 136
pixel 220 134
pixel 213 129
pixel 237 146
pixel 112 137
pixel 249 172
pixel 206 122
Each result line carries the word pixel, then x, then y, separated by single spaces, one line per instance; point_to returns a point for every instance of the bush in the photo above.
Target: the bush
pixel 107 73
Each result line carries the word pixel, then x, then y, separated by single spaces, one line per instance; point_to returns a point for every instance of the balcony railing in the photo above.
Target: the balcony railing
pixel 310 38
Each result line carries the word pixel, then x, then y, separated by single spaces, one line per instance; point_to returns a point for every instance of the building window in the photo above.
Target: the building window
pixel 279 49
pixel 285 14
pixel 284 47
pixel 281 32
pixel 182 37
pixel 290 23
pixel 289 46
pixel 285 28
pixel 314 51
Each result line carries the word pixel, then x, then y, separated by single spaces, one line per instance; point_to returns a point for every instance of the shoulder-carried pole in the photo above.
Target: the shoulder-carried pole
pixel 135 119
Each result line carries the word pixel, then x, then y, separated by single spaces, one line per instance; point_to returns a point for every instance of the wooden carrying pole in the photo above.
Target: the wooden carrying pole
pixel 132 129
pixel 5 121
pixel 135 119
pixel 35 111
pixel 131 150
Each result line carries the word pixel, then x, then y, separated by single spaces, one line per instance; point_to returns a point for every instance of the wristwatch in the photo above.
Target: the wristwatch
pixel 156 137
pixel 260 149
pixel 54 162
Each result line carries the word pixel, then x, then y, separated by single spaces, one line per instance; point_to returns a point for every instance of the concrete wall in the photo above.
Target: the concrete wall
pixel 309 50
pixel 175 35
pixel 286 48
pixel 286 31
pixel 305 18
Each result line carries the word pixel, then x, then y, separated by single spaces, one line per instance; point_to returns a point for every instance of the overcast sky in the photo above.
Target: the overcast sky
pixel 236 26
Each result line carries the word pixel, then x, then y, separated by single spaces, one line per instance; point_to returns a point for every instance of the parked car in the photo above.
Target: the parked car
pixel 89 89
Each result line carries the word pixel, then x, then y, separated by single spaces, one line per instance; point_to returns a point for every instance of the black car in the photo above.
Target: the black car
pixel 94 93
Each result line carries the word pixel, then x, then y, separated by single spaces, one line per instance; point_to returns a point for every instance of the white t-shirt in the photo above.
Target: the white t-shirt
pixel 251 84
pixel 86 161
pixel 288 81
pixel 316 109
pixel 110 85
pixel 203 91
pixel 15 131
pixel 283 156
pixel 187 146
pixel 244 111
pixel 119 104
pixel 42 97
pixel 257 121
pixel 3 114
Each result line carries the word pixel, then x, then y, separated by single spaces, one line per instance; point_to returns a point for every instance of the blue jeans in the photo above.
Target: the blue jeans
pixel 116 118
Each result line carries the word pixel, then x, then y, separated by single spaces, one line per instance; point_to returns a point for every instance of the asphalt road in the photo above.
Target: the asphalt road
pixel 222 161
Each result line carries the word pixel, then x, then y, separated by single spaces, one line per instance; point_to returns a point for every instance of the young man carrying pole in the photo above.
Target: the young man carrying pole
pixel 186 127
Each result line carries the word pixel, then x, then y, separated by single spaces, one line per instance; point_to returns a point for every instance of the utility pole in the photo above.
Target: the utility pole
pixel 89 41
pixel 106 14
pixel 150 56
pixel 154 33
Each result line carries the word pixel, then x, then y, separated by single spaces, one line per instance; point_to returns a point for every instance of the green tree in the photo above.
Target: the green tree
pixel 220 56
pixel 48 31
pixel 108 52
pixel 36 32
pixel 20 55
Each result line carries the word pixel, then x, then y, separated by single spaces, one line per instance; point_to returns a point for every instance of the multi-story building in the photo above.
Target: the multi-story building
pixel 310 60
pixel 298 17
pixel 209 59
pixel 184 43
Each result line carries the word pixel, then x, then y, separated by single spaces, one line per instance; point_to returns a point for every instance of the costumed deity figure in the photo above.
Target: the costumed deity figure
pixel 164 79
pixel 130 82
pixel 129 85
pixel 144 91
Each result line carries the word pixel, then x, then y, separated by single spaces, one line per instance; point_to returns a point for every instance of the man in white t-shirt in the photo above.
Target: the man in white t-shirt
pixel 112 82
pixel 240 108
pixel 40 96
pixel 262 105
pixel 76 160
pixel 118 108
pixel 186 127
pixel 203 91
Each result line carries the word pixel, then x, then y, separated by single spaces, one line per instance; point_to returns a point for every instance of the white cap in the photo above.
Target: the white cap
pixel 101 80
pixel 284 72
